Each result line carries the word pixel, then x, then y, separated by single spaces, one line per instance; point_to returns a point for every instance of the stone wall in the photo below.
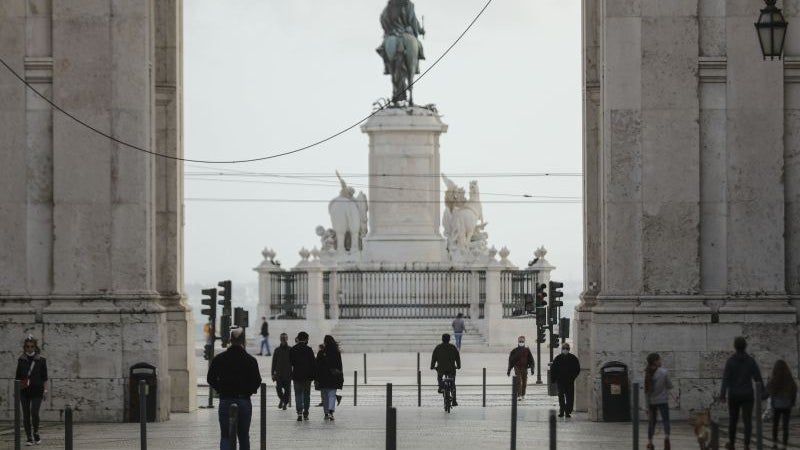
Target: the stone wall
pixel 690 181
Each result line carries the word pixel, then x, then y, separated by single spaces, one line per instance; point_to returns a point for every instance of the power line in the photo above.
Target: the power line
pixel 295 200
pixel 263 158
pixel 390 175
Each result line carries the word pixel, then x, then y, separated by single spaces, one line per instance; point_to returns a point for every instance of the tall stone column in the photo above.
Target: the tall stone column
pixel 404 194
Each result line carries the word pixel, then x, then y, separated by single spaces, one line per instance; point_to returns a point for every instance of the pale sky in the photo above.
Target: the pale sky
pixel 266 76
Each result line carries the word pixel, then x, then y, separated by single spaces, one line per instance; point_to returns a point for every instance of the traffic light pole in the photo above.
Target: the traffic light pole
pixel 550 341
pixel 538 359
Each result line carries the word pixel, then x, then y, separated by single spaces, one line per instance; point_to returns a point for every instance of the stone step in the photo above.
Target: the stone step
pixel 393 335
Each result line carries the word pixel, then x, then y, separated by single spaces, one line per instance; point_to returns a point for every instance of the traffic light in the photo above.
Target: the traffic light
pixel 554 341
pixel 225 329
pixel 563 327
pixel 211 302
pixel 541 334
pixel 208 350
pixel 554 288
pixel 241 318
pixel 225 294
pixel 541 316
pixel 540 295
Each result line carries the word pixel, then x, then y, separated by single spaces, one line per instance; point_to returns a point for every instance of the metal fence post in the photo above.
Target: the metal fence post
pixel 233 426
pixel 68 428
pixel 355 388
pixel 143 414
pixel 635 415
pixel 483 392
pixel 365 368
pixel 17 432
pixel 552 429
pixel 419 388
pixel 263 416
pixel 514 413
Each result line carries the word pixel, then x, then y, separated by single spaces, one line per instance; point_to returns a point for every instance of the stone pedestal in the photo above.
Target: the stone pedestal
pixel 404 195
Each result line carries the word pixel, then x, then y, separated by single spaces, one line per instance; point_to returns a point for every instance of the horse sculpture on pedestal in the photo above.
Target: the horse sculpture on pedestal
pixel 401 49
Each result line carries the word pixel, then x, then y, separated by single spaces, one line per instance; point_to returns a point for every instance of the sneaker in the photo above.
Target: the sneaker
pixel 561 414
pixel 299 418
pixel 568 416
pixel 327 416
pixel 29 442
pixel 338 400
pixel 280 405
pixel 284 406
pixel 36 439
pixel 305 416
pixel 331 416
pixel 455 403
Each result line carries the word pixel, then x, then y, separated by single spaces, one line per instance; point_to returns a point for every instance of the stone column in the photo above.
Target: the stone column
pixel 265 270
pixel 493 309
pixel 315 309
pixel 404 194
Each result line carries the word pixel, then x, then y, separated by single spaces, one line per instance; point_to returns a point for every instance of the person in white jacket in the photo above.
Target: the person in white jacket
pixel 657 386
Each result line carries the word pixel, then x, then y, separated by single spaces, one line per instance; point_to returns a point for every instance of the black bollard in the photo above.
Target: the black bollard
pixel 552 429
pixel 263 416
pixel 483 392
pixel 233 419
pixel 514 413
pixel 417 361
pixel 365 368
pixel 759 419
pixel 355 388
pixel 635 415
pixel 68 428
pixel 388 413
pixel 714 435
pixel 391 429
pixel 17 432
pixel 143 414
pixel 419 388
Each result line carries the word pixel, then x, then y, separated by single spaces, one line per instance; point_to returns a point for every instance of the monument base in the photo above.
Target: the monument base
pixel 410 248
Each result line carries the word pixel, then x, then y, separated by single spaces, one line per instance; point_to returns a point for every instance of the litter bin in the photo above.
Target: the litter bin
pixel 616 392
pixel 146 372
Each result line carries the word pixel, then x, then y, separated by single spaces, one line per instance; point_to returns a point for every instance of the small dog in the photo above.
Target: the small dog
pixel 702 429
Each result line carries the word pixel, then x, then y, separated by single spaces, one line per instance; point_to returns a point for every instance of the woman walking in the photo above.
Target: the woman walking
pixel 656 386
pixel 329 374
pixel 32 374
pixel 782 391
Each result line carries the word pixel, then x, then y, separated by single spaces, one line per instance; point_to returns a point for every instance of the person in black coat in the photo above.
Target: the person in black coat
pixel 741 371
pixel 282 371
pixel 304 368
pixel 329 374
pixel 32 373
pixel 564 370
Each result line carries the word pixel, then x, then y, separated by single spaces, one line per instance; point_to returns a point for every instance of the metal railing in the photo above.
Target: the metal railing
pixel 514 286
pixel 289 295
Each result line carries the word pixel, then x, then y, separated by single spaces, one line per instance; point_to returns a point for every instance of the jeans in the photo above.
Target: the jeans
pixel 458 340
pixel 30 413
pixel 744 403
pixel 566 397
pixel 265 343
pixel 778 413
pixel 283 388
pixel 653 410
pixel 329 400
pixel 302 396
pixel 243 422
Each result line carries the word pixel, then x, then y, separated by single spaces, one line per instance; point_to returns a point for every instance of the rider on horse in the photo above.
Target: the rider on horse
pixel 398 17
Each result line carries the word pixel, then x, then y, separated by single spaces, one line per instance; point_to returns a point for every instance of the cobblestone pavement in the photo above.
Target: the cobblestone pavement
pixel 469 426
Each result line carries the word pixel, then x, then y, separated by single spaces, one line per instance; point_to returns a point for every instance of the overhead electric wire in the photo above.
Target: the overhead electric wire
pixel 295 200
pixel 241 161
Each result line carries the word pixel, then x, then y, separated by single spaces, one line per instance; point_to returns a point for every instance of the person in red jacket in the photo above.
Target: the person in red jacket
pixel 520 359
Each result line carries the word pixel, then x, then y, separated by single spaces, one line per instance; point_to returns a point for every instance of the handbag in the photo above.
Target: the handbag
pixel 25 382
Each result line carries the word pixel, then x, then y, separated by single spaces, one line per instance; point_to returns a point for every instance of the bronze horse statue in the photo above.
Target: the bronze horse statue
pixel 401 49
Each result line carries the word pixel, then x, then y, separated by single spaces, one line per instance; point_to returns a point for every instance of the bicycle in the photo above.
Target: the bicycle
pixel 448 392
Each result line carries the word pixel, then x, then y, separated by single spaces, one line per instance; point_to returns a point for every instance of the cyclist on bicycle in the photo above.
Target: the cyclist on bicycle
pixel 446 360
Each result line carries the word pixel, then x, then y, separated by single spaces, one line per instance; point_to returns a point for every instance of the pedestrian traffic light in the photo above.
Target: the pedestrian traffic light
pixel 241 318
pixel 225 329
pixel 225 294
pixel 554 288
pixel 541 294
pixel 208 351
pixel 211 302
pixel 563 327
pixel 541 334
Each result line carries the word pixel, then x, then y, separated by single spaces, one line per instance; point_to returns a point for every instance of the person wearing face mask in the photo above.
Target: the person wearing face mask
pixel 32 373
pixel 563 371
pixel 282 372
pixel 521 359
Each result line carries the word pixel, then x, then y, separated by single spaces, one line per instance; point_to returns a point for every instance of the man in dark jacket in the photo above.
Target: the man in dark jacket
pixel 521 360
pixel 304 366
pixel 737 387
pixel 282 371
pixel 446 360
pixel 563 372
pixel 235 376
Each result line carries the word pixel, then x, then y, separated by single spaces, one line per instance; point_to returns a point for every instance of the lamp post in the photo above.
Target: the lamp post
pixel 771 30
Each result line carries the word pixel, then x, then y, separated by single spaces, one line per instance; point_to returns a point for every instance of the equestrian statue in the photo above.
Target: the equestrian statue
pixel 401 49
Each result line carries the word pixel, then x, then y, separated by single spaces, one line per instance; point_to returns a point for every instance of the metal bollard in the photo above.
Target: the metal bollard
pixel 714 435
pixel 388 413
pixel 263 416
pixel 233 419
pixel 365 368
pixel 552 429
pixel 418 362
pixel 391 429
pixel 419 388
pixel 514 413
pixel 388 395
pixel 483 392
pixel 759 419
pixel 635 415
pixel 143 414
pixel 355 388
pixel 17 432
pixel 68 428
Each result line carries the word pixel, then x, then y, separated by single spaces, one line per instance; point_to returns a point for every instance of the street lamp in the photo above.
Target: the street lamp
pixel 771 28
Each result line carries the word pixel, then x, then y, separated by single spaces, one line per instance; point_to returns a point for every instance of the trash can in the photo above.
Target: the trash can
pixel 146 372
pixel 616 392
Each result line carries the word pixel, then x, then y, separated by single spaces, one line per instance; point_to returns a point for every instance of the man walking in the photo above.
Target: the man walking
pixel 563 372
pixel 264 337
pixel 458 329
pixel 737 388
pixel 234 375
pixel 446 360
pixel 282 371
pixel 304 365
pixel 520 359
